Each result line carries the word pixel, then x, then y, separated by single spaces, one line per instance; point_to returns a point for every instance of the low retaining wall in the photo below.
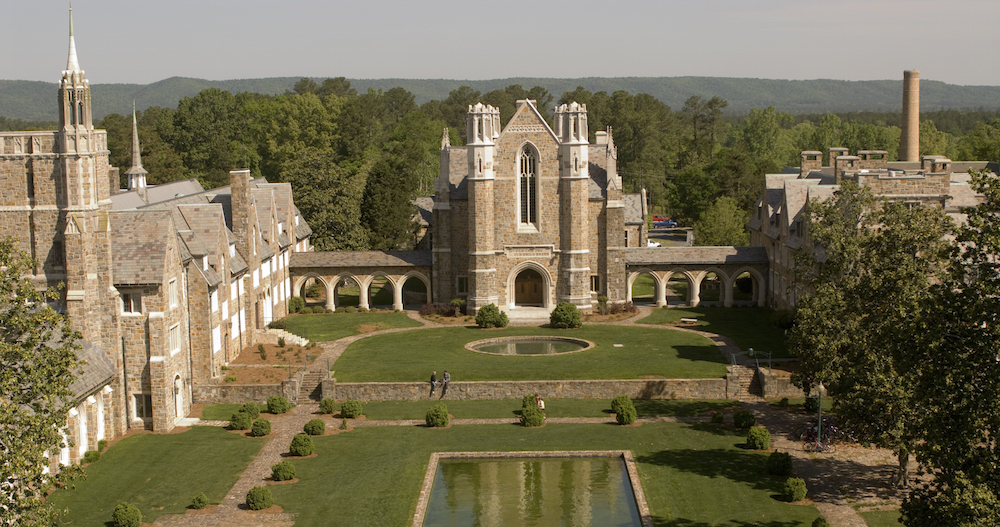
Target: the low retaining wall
pixel 602 389
pixel 775 386
pixel 241 393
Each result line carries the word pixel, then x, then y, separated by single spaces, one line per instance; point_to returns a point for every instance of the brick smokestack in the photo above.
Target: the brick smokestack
pixel 909 141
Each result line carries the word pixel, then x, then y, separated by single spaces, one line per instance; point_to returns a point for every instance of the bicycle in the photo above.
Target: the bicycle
pixel 819 447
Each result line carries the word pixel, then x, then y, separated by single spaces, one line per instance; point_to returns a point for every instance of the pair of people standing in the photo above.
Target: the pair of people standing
pixel 445 379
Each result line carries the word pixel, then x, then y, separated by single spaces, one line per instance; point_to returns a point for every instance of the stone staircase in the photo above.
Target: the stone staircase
pixel 749 384
pixel 311 387
pixel 274 334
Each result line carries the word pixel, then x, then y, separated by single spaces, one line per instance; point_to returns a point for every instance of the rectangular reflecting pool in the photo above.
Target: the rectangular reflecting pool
pixel 547 489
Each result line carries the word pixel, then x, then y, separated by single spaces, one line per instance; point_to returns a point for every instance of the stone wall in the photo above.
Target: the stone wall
pixel 241 393
pixel 775 387
pixel 584 389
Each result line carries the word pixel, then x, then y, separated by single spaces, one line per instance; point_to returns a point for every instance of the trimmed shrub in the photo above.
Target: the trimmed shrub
pixel 295 304
pixel 327 406
pixel 277 324
pixel 437 416
pixel 744 419
pixel 529 400
pixel 260 428
pixel 820 522
pixel 717 418
pixel 783 402
pixel 350 309
pixel 602 305
pixel 343 424
pixel 459 305
pixel 532 415
pixel 126 515
pixel 278 405
pixel 565 316
pixel 302 445
pixel 315 427
pixel 812 404
pixel 626 414
pixel 779 464
pixel 490 316
pixel 91 456
pixel 350 409
pixel 250 409
pixel 101 445
pixel 619 401
pixel 281 342
pixel 240 421
pixel 794 490
pixel 758 438
pixel 259 498
pixel 230 378
pixel 283 471
pixel 428 309
pixel 200 501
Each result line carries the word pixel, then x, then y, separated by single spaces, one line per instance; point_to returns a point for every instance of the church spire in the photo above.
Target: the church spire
pixel 72 64
pixel 136 174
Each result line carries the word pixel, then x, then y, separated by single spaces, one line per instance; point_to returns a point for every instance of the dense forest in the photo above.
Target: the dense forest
pixel 355 160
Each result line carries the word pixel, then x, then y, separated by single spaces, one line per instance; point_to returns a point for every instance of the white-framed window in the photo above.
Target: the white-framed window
pixel 216 339
pixel 527 187
pixel 243 288
pixel 175 339
pixel 232 250
pixel 274 295
pixel 462 285
pixel 225 310
pixel 256 279
pixel 234 289
pixel 131 302
pixel 174 293
pixel 266 268
pixel 595 283
pixel 215 300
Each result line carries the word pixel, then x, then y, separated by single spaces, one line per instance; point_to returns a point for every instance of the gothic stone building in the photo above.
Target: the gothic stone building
pixel 165 283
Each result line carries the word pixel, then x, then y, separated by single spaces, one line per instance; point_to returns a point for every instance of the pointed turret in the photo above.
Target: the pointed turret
pixel 72 64
pixel 74 91
pixel 136 174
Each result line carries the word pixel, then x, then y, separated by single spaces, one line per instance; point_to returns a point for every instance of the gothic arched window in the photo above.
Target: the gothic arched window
pixel 528 186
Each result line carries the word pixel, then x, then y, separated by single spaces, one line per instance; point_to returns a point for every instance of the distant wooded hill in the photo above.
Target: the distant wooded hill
pixel 35 100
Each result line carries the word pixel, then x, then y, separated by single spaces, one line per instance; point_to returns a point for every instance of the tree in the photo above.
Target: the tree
pixel 983 142
pixel 37 365
pixel 866 284
pixel 724 223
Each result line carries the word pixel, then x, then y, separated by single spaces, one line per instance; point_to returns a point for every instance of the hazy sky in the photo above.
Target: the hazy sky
pixel 142 41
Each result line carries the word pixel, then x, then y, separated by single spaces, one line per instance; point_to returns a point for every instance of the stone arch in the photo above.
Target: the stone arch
pixel 692 284
pixel 546 283
pixel 300 282
pixel 700 277
pixel 366 297
pixel 759 296
pixel 398 290
pixel 358 279
pixel 658 282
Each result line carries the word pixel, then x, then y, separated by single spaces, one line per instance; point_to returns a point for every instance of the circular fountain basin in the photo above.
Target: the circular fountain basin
pixel 529 345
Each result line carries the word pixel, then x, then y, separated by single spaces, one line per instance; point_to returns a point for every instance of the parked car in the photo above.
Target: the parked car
pixel 665 223
pixel 653 243
pixel 657 217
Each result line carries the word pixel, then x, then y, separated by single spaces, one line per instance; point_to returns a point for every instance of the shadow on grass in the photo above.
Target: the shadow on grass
pixel 707 353
pixel 735 465
pixel 678 407
pixel 717 430
pixel 683 522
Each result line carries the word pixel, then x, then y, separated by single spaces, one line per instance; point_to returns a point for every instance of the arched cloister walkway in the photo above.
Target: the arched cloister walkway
pixel 364 267
pixel 695 264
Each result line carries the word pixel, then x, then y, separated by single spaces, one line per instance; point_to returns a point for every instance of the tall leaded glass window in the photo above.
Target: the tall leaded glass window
pixel 528 186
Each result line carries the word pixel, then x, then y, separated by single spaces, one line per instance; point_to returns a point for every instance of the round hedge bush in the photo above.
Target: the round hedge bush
pixel 794 490
pixel 126 515
pixel 820 522
pixel 283 471
pixel 251 409
pixel 565 316
pixel 779 464
pixel 744 419
pixel 717 418
pixel 278 405
pixel 302 445
pixel 532 416
pixel 315 427
pixel 260 428
pixel 200 501
pixel 626 414
pixel 259 498
pixel 618 402
pixel 490 316
pixel 240 421
pixel 811 405
pixel 351 409
pixel 437 416
pixel 758 438
pixel 327 406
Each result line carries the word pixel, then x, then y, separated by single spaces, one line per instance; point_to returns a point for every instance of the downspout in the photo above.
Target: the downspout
pixel 187 299
pixel 128 414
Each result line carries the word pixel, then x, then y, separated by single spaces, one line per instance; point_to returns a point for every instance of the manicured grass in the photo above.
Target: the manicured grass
pixel 222 412
pixel 160 474
pixel 748 327
pixel 646 352
pixel 510 408
pixel 881 518
pixel 691 474
pixel 332 326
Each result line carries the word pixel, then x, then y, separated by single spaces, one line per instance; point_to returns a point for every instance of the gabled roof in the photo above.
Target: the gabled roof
pixel 139 246
pixel 526 107
pixel 96 371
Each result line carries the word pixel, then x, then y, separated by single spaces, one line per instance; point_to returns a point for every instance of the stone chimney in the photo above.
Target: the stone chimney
pixel 809 160
pixel 873 160
pixel 909 141
pixel 833 153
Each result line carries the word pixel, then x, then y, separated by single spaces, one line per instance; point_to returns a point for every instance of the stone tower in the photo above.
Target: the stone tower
pixel 483 123
pixel 574 145
pixel 909 147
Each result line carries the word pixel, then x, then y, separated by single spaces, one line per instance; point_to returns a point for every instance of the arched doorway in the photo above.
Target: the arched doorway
pixel 529 288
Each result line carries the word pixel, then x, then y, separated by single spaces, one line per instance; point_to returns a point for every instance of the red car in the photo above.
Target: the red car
pixel 657 217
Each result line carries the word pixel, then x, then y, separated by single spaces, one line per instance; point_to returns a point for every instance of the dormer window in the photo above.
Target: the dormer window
pixel 528 187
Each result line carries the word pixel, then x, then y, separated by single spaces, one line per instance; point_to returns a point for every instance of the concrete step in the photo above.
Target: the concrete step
pixel 311 388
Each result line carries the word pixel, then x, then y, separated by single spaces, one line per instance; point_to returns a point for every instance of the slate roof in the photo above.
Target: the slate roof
pixel 126 200
pixel 424 214
pixel 139 245
pixel 174 189
pixel 695 255
pixel 96 371
pixel 633 209
pixel 361 259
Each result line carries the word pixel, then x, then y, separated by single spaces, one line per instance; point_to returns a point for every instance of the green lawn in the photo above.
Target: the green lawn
pixel 159 473
pixel 333 326
pixel 646 352
pixel 692 475
pixel 509 408
pixel 881 518
pixel 748 327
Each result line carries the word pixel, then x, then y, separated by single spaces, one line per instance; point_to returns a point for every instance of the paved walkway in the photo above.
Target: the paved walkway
pixel 828 476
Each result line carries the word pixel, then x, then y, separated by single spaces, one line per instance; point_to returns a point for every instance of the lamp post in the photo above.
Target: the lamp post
pixel 819 429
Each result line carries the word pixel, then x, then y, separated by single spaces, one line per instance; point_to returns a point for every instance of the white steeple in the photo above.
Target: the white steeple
pixel 72 64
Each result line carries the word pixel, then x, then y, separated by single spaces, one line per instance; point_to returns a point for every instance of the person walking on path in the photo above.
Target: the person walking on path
pixel 445 379
pixel 433 383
